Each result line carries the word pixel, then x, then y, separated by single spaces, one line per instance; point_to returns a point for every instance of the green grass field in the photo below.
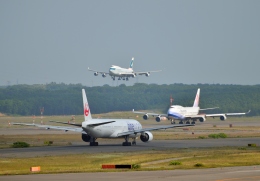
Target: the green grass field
pixel 149 160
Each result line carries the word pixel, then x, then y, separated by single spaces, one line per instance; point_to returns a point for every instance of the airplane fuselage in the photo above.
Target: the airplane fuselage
pixel 119 71
pixel 110 130
pixel 179 112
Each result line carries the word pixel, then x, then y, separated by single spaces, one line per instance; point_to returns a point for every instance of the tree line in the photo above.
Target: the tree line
pixel 66 99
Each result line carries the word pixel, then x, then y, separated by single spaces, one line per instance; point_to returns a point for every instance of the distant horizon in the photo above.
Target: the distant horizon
pixel 127 85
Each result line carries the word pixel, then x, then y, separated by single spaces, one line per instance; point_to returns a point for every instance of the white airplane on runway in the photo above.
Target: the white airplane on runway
pixel 187 114
pixel 91 129
pixel 122 73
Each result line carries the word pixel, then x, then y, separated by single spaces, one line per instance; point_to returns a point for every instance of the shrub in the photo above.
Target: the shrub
pixel 20 144
pixel 198 165
pixel 213 136
pixel 222 135
pixel 242 148
pixel 136 166
pixel 201 137
pixel 48 143
pixel 175 163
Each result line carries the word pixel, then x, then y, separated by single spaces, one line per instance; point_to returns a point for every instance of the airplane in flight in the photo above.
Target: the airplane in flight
pixel 187 114
pixel 122 73
pixel 91 129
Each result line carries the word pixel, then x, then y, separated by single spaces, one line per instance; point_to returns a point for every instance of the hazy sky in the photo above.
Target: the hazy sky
pixel 193 42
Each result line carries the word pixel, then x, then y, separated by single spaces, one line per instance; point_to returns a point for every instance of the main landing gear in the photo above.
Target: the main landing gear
pixel 92 142
pixel 127 143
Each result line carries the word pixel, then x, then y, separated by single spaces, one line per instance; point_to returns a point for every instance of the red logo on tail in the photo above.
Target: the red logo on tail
pixel 86 109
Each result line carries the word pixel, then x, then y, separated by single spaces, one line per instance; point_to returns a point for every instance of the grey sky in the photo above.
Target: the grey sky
pixel 191 41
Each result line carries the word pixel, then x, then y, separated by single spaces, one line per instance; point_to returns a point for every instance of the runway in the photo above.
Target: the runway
pixel 113 146
pixel 212 174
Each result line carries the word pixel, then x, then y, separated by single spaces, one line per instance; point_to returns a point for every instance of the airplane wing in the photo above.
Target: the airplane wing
pixel 208 108
pixel 151 114
pixel 52 127
pixel 64 128
pixel 147 73
pixel 80 125
pixel 98 71
pixel 151 129
pixel 227 114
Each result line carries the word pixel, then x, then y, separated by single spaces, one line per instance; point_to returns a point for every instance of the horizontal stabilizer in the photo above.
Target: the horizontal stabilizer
pixel 73 124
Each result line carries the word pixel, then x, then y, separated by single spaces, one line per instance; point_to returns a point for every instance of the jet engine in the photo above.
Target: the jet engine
pixel 103 75
pixel 145 117
pixel 202 119
pixel 96 73
pixel 85 137
pixel 146 136
pixel 147 74
pixel 158 119
pixel 223 117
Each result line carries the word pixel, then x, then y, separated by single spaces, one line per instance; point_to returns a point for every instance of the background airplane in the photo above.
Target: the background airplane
pixel 91 129
pixel 188 114
pixel 122 73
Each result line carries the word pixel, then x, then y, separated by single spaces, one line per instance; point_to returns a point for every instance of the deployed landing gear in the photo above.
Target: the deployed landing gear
pixel 113 78
pixel 126 143
pixel 134 141
pixel 187 122
pixel 126 79
pixel 172 121
pixel 180 122
pixel 92 142
pixel 193 122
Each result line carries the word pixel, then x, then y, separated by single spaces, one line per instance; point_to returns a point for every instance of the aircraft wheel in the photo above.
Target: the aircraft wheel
pixel 133 143
pixel 126 144
pixel 93 144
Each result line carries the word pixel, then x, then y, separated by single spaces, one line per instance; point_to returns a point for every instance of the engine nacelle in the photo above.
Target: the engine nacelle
pixel 202 119
pixel 146 136
pixel 147 74
pixel 158 119
pixel 85 137
pixel 145 117
pixel 103 75
pixel 223 117
pixel 96 73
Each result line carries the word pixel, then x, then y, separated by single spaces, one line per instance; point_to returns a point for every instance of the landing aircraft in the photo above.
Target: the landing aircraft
pixel 122 73
pixel 91 129
pixel 188 114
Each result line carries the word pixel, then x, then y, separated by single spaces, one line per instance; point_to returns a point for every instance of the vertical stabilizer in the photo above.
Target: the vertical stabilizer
pixel 197 99
pixel 132 63
pixel 87 114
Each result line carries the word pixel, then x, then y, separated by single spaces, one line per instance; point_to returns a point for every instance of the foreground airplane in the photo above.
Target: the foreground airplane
pixel 122 73
pixel 91 129
pixel 187 114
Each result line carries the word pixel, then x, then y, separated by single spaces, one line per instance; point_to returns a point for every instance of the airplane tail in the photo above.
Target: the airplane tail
pixel 87 114
pixel 132 63
pixel 197 99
